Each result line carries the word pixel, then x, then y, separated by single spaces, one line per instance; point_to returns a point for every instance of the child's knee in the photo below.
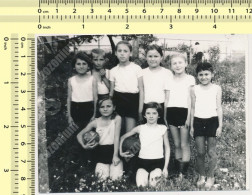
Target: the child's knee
pixel 102 170
pixel 116 172
pixel 154 176
pixel 142 177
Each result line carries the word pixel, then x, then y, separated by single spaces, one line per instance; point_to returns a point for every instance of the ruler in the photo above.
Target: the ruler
pixel 18 114
pixel 21 20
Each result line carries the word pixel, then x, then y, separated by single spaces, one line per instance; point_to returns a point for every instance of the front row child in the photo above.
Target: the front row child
pixel 108 127
pixel 154 154
pixel 206 122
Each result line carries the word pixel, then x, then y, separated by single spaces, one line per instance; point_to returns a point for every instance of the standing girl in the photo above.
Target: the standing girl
pixel 154 154
pixel 126 86
pixel 82 93
pixel 206 121
pixel 108 127
pixel 155 78
pixel 81 103
pixel 100 74
pixel 178 111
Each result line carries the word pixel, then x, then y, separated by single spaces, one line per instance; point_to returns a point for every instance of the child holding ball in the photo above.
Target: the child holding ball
pixel 108 127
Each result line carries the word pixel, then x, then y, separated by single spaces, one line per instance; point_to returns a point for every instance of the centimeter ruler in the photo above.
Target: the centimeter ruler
pixel 173 16
pixel 21 20
pixel 18 114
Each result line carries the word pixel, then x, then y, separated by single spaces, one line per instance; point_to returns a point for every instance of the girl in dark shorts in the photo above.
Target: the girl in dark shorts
pixel 81 102
pixel 206 121
pixel 126 86
pixel 178 111
pixel 154 155
pixel 108 127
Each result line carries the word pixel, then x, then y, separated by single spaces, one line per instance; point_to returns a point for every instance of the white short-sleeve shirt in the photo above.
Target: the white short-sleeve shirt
pixel 82 91
pixel 179 91
pixel 101 87
pixel 206 101
pixel 155 84
pixel 152 142
pixel 126 77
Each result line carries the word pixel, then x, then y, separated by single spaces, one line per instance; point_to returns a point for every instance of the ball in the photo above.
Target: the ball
pixel 131 144
pixel 91 137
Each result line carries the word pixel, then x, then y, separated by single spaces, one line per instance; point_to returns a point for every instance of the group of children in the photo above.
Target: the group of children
pixel 115 101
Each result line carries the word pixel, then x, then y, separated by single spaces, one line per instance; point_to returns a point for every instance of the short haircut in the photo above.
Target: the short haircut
pixel 124 43
pixel 204 66
pixel 154 105
pixel 83 56
pixel 99 52
pixel 154 47
pixel 180 55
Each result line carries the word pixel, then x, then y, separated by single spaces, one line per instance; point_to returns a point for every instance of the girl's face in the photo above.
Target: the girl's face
pixel 98 61
pixel 153 58
pixel 81 66
pixel 151 115
pixel 178 65
pixel 205 77
pixel 123 53
pixel 106 108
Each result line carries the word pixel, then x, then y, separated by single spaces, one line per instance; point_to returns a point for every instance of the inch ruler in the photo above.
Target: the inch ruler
pixel 172 16
pixel 21 20
pixel 18 114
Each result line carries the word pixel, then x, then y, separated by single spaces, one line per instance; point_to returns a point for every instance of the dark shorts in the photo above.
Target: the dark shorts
pixel 176 116
pixel 150 164
pixel 161 118
pixel 82 112
pixel 205 127
pixel 126 104
pixel 104 154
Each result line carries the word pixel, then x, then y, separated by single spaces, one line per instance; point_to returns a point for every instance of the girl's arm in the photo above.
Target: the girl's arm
pixel 69 99
pixel 193 98
pixel 189 102
pixel 130 133
pixel 88 128
pixel 95 95
pixel 219 111
pixel 167 153
pixel 118 122
pixel 167 95
pixel 141 97
pixel 111 91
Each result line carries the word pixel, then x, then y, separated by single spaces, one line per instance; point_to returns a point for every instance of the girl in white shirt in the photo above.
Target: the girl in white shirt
pixel 178 111
pixel 155 78
pixel 82 93
pixel 108 127
pixel 101 75
pixel 206 121
pixel 154 154
pixel 126 86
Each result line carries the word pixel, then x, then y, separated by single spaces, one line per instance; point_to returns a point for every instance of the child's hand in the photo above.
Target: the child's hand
pixel 192 131
pixel 70 120
pixel 165 172
pixel 187 124
pixel 90 146
pixel 103 73
pixel 116 160
pixel 126 154
pixel 218 132
pixel 140 118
